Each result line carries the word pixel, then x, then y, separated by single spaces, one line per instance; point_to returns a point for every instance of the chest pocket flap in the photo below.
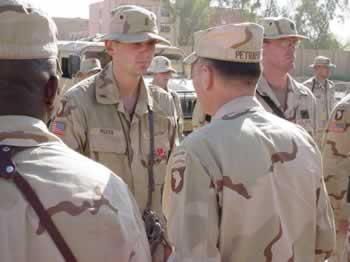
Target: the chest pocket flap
pixel 107 140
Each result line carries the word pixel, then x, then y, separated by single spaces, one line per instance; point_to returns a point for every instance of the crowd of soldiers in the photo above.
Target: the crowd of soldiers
pixel 112 178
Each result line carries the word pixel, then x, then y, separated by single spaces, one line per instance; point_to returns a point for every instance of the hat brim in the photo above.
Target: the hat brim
pixel 330 65
pixel 92 69
pixel 169 69
pixel 136 38
pixel 285 36
pixel 190 59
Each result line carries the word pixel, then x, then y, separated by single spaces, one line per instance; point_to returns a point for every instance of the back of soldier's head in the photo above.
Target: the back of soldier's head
pixel 234 50
pixel 28 53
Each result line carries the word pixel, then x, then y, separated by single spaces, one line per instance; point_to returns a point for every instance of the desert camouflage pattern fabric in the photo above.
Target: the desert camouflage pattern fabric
pixel 97 125
pixel 92 208
pixel 179 113
pixel 336 150
pixel 133 24
pixel 325 100
pixel 279 27
pixel 248 187
pixel 301 104
pixel 230 42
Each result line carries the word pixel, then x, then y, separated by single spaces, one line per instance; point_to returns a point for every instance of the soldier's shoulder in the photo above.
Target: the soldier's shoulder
pixel 344 103
pixel 83 90
pixel 303 89
pixel 158 91
pixel 308 82
pixel 87 172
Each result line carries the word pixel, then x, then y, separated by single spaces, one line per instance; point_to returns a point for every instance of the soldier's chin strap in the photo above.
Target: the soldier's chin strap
pixel 9 172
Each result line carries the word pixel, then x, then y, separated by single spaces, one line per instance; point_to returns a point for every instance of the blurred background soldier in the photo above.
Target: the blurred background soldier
pixel 336 151
pixel 324 91
pixel 278 92
pixel 117 119
pixel 55 205
pixel 248 186
pixel 88 67
pixel 162 72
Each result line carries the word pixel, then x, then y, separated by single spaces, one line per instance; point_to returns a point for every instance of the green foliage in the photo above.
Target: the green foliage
pixel 312 17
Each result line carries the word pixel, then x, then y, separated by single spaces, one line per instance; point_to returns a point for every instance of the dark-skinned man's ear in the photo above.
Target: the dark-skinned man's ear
pixel 51 90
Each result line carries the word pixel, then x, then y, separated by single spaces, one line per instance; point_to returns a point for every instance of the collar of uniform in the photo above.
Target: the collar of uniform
pixel 24 131
pixel 323 85
pixel 144 100
pixel 238 105
pixel 106 91
pixel 265 89
pixel 297 87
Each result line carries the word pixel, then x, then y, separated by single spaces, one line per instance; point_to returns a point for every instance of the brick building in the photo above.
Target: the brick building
pixel 72 28
pixel 100 16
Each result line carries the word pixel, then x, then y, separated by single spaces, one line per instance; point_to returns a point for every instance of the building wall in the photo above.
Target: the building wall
pixel 71 28
pixel 99 16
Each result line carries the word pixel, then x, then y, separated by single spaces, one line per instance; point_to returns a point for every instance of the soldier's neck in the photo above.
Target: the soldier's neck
pixel 128 85
pixel 277 80
pixel 321 79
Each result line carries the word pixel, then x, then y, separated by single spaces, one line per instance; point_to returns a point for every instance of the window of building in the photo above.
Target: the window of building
pixel 164 12
pixel 165 28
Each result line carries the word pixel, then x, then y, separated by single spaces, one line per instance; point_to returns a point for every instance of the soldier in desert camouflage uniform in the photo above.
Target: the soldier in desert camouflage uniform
pixel 336 152
pixel 162 71
pixel 248 186
pixel 324 91
pixel 277 91
pixel 95 215
pixel 117 119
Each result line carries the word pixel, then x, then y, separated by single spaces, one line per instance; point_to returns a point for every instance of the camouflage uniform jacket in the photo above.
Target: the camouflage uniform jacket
pixel 325 97
pixel 301 103
pixel 335 152
pixel 96 124
pixel 93 209
pixel 248 187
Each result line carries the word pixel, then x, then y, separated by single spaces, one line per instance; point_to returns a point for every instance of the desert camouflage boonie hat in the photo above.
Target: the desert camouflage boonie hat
pixel 133 24
pixel 161 64
pixel 279 27
pixel 322 61
pixel 26 32
pixel 233 42
pixel 90 64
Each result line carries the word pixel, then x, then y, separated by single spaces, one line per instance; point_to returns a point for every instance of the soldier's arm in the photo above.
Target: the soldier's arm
pixel 325 229
pixel 173 125
pixel 335 151
pixel 70 124
pixel 180 114
pixel 190 206
pixel 314 117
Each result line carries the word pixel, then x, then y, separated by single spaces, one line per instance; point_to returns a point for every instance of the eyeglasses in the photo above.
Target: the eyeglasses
pixel 286 42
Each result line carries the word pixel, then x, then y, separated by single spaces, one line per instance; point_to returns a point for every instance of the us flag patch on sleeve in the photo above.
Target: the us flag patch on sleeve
pixel 58 128
pixel 337 127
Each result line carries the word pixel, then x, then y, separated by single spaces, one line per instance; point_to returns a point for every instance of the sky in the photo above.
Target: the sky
pixel 80 8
